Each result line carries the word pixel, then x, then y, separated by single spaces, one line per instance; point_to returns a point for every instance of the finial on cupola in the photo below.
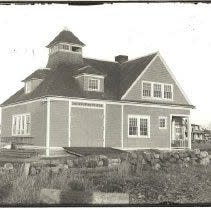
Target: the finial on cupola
pixel 65 28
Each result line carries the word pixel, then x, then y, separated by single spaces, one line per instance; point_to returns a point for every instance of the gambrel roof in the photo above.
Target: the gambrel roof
pixel 61 81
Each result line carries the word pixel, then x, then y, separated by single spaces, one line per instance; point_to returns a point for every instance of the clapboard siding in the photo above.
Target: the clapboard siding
pixel 159 138
pixel 38 120
pixel 59 123
pixel 156 72
pixel 113 125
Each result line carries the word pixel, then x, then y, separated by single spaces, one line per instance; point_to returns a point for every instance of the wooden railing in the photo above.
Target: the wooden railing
pixel 181 143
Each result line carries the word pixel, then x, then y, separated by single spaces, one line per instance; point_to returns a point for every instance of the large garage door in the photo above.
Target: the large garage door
pixel 86 127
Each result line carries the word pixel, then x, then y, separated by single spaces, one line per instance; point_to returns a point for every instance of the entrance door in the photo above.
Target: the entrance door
pixel 179 132
pixel 86 127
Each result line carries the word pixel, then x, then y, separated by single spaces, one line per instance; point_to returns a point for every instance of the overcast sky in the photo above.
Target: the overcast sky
pixel 181 32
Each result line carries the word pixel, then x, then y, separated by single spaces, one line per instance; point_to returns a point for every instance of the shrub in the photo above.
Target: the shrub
pixel 76 185
pixel 112 184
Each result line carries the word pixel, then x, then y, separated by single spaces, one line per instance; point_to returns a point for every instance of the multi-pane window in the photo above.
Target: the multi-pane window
pixel 138 126
pixel 143 127
pixel 168 91
pixel 147 89
pixel 65 47
pixel 133 126
pixel 162 122
pixel 21 124
pixel 157 90
pixel 94 84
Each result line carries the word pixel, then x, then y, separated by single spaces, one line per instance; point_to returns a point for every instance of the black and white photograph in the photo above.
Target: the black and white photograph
pixel 105 105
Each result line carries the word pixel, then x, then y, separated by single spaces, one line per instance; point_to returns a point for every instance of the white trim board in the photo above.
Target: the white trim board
pixel 64 98
pixel 48 127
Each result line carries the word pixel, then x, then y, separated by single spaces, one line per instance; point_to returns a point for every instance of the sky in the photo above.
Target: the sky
pixel 180 32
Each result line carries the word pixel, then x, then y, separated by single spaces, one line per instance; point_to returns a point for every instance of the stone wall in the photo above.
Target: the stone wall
pixel 135 159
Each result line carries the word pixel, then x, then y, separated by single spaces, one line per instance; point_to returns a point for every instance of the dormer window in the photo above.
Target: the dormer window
pixel 93 84
pixel 28 86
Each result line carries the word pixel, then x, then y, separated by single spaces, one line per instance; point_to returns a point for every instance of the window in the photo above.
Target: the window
pixel 133 126
pixel 65 47
pixel 139 126
pixel 21 124
pixel 162 122
pixel 157 90
pixel 168 91
pixel 94 85
pixel 28 87
pixel 76 49
pixel 147 89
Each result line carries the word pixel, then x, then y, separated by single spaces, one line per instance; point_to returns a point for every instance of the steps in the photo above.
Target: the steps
pixel 18 153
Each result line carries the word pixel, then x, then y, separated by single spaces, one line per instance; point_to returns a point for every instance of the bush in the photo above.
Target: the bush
pixel 112 184
pixel 76 185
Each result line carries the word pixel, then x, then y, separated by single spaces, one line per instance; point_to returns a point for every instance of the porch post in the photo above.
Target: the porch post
pixel 189 133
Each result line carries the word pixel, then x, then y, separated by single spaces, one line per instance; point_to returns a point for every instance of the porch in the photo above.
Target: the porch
pixel 180 132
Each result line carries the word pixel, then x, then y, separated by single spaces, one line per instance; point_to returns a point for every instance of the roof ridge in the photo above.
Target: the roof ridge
pixel 156 52
pixel 100 59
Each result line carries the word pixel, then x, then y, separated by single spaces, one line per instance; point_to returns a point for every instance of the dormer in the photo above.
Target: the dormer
pixel 90 79
pixel 34 80
pixel 66 48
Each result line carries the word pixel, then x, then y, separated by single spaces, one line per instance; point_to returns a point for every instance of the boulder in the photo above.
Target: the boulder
pixel 156 166
pixel 196 151
pixel 8 166
pixel 156 156
pixel 187 159
pixel 205 161
pixel 100 163
pixel 70 163
pixel 33 171
pixel 203 154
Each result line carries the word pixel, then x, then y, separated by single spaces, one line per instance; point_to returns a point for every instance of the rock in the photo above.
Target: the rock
pixel 50 196
pixel 55 170
pixel 33 171
pixel 172 160
pixel 156 156
pixel 100 163
pixel 26 169
pixel 187 159
pixel 196 151
pixel 156 166
pixel 147 156
pixel 205 161
pixel 203 154
pixel 8 166
pixel 114 160
pixel 70 163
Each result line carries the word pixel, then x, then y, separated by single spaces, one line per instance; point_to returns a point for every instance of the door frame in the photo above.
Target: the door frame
pixel 189 128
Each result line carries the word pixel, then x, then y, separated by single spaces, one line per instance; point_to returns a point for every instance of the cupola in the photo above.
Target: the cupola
pixel 66 48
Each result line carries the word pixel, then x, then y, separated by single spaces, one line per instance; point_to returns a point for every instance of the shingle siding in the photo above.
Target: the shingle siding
pixel 38 120
pixel 59 123
pixel 113 126
pixel 86 127
pixel 158 138
pixel 156 72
